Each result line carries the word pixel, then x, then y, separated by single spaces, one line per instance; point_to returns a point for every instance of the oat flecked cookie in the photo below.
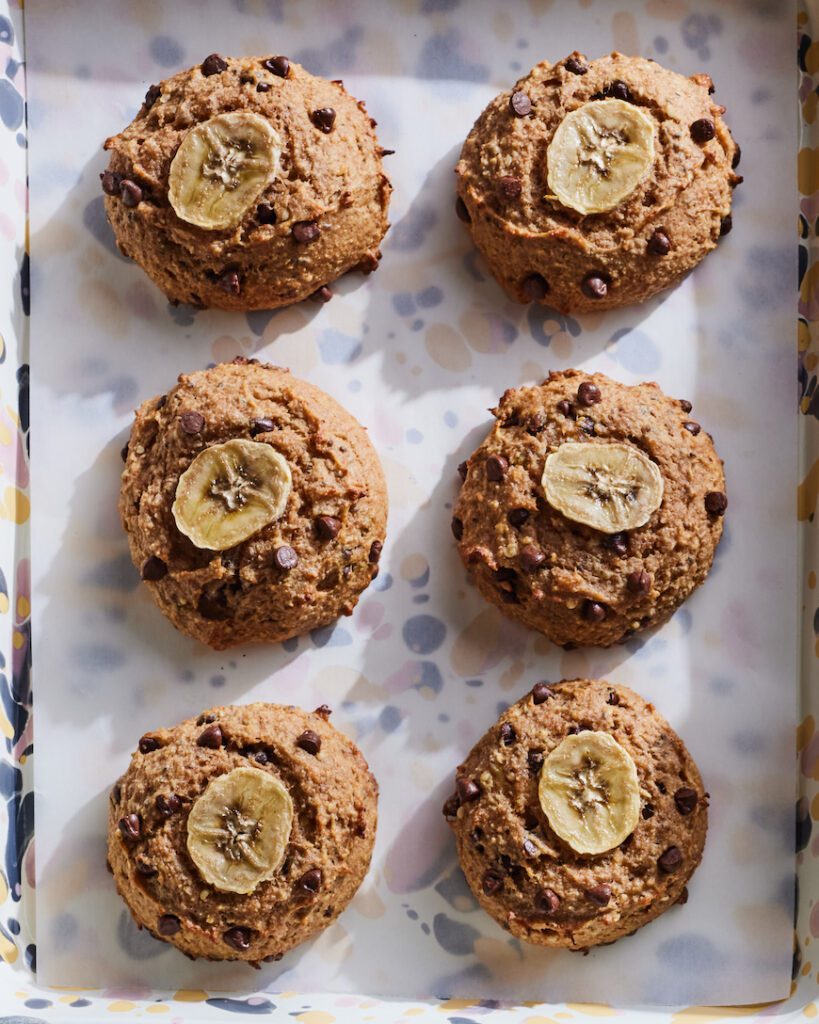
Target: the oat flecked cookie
pixel 592 510
pixel 580 816
pixel 238 834
pixel 248 183
pixel 255 505
pixel 595 184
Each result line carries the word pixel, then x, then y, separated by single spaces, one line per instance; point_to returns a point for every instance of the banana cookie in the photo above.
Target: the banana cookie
pixel 580 816
pixel 255 505
pixel 592 509
pixel 238 834
pixel 595 184
pixel 248 183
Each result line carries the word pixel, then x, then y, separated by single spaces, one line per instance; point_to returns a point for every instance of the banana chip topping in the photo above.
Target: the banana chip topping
pixel 599 155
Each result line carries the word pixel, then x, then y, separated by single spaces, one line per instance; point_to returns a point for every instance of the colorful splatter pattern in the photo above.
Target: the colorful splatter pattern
pixel 19 996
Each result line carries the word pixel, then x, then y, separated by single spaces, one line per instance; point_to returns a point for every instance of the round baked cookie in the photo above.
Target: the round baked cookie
pixel 255 505
pixel 592 509
pixel 238 834
pixel 247 183
pixel 595 184
pixel 578 764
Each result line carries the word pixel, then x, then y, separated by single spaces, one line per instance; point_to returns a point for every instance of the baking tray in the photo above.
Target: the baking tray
pixel 23 998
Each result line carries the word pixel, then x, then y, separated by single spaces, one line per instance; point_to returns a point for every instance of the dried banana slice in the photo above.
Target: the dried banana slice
pixel 239 828
pixel 599 154
pixel 231 491
pixel 221 168
pixel 589 791
pixel 611 487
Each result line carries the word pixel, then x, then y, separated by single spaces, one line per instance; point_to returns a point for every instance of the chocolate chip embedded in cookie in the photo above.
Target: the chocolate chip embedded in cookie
pixel 255 506
pixel 220 848
pixel 623 173
pixel 247 183
pixel 592 510
pixel 554 838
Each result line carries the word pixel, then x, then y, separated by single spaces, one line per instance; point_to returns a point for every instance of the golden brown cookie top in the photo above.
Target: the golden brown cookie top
pixel 230 562
pixel 658 505
pixel 531 879
pixel 194 822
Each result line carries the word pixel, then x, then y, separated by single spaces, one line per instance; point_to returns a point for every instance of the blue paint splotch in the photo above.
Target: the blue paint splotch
pixel 167 52
pixel 441 57
pixel 454 937
pixel 337 348
pixel 423 634
pixel 634 350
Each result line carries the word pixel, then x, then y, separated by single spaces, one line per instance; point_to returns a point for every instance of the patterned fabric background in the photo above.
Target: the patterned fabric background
pixel 20 995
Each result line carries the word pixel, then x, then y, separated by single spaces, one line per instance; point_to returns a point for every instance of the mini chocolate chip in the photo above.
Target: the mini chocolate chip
pixel 324 118
pixel 737 156
pixel 647 811
pixel 547 901
pixel 238 938
pixel 154 92
pixel 130 193
pixel 618 543
pixel 116 793
pixel 230 282
pixel 148 744
pixel 685 405
pixel 588 393
pixel 450 808
pixel 285 557
pixel 692 427
pixel 725 225
pixel 261 426
pixel 462 211
pixel 277 65
pixel 306 231
pixel 535 760
pixel 682 899
pixel 594 286
pixel 565 407
pixel 214 64
pixel 670 860
pixel 517 516
pixel 205 719
pixel 323 294
pixel 638 582
pixel 541 692
pixel 507 734
pixel 327 527
pixel 168 805
pixel 593 611
pixel 210 737
pixel 575 66
pixel 618 90
pixel 520 104
pixel 531 558
pixel 192 422
pixel 263 87
pixel 467 790
pixel 457 528
pixel 599 895
pixel 686 799
pixel 496 466
pixel 703 130
pixel 716 503
pixel 131 827
pixel 309 741
pixel 110 182
pixel 168 924
pixel 613 699
pixel 323 711
pixel 534 287
pixel 153 569
pixel 310 882
pixel 375 552
pixel 661 787
pixel 145 869
pixel 266 213
pixel 536 423
pixel 492 883
pixel 659 244
pixel 509 186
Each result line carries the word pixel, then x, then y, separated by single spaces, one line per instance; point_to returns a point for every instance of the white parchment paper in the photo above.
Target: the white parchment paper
pixel 418 352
